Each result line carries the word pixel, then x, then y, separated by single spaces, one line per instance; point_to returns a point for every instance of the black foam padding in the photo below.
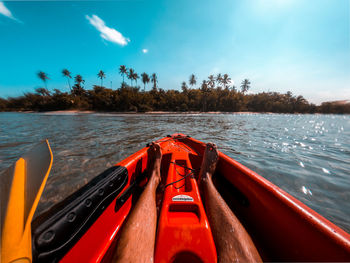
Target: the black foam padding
pixel 57 230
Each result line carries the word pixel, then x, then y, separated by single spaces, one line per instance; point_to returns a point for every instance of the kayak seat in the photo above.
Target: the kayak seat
pixel 57 230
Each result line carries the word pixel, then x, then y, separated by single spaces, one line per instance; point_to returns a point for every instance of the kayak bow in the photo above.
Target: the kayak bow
pixel 86 225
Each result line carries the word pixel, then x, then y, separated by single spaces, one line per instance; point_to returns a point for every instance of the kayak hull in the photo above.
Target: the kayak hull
pixel 282 228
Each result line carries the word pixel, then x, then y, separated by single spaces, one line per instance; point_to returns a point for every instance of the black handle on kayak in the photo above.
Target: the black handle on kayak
pixel 56 231
pixel 129 191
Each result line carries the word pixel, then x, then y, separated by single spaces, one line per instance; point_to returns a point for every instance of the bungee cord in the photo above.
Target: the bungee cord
pixel 184 148
pixel 178 181
pixel 184 176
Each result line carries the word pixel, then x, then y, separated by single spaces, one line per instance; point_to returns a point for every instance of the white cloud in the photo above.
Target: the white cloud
pixel 5 11
pixel 144 50
pixel 107 33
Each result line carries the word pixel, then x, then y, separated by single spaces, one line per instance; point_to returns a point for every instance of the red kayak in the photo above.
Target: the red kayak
pixel 85 226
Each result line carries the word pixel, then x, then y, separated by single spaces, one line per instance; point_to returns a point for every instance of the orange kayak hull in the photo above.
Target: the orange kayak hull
pixel 282 227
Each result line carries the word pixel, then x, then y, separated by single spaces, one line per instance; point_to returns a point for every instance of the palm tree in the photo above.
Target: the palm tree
pixel 211 81
pixel 226 80
pixel 245 85
pixel 101 75
pixel 154 81
pixel 131 75
pixel 204 86
pixel 77 88
pixel 123 71
pixel 145 80
pixel 193 80
pixel 43 76
pixel 219 79
pixel 135 77
pixel 79 79
pixel 184 87
pixel 66 73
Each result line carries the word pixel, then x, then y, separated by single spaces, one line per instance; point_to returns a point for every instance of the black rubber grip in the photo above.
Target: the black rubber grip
pixel 58 229
pixel 128 191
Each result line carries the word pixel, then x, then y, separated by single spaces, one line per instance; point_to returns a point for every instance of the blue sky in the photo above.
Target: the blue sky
pixel 280 45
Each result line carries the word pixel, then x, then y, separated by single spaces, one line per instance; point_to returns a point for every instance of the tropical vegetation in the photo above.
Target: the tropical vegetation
pixel 216 93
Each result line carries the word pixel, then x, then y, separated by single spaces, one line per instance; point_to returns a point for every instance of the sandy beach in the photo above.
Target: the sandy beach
pixel 69 112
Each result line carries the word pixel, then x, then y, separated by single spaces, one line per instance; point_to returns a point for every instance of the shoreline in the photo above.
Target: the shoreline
pixel 68 112
pixel 85 112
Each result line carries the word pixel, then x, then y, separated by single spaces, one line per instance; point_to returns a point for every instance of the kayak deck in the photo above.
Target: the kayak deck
pixel 183 233
pixel 282 228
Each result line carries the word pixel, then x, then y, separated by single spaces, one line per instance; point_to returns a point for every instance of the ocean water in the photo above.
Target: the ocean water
pixel 308 156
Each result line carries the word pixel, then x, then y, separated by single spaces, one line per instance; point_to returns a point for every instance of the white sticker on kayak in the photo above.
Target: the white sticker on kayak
pixel 182 198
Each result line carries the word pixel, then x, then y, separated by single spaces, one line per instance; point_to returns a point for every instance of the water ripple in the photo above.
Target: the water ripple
pixel 306 155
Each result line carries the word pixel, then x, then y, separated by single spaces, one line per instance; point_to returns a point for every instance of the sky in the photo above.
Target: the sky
pixel 279 45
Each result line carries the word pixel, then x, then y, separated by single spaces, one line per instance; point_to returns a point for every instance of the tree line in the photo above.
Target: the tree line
pixel 216 93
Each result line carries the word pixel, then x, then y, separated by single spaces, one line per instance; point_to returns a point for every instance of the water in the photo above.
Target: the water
pixel 306 155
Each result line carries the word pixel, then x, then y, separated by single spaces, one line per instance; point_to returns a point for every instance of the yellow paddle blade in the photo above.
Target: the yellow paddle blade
pixel 21 188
